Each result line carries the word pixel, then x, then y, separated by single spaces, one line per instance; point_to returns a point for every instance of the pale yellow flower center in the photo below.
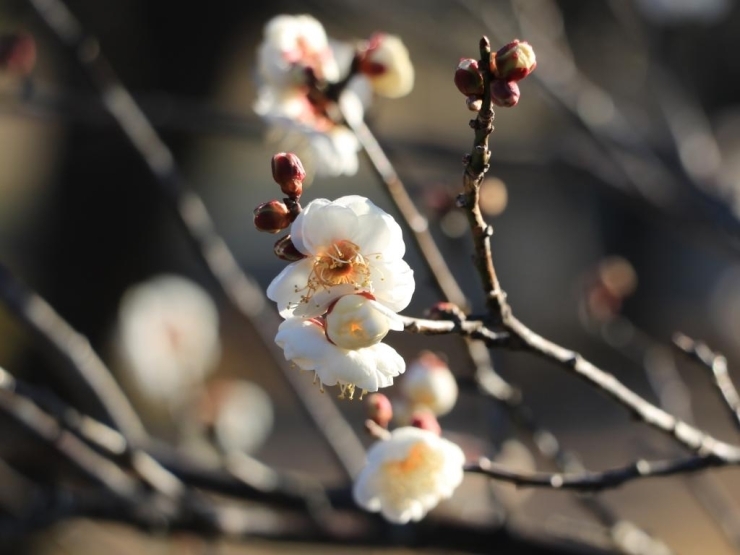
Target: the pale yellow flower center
pixel 412 476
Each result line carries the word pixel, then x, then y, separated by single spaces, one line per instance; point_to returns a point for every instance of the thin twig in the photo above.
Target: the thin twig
pixel 595 481
pixel 675 397
pixel 717 364
pixel 241 290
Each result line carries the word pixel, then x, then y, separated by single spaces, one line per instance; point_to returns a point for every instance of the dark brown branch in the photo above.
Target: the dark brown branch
pixel 675 397
pixel 239 288
pixel 595 481
pixel 717 364
pixel 475 171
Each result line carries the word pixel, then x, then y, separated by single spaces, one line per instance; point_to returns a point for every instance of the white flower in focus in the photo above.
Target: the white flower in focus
pixel 408 474
pixel 291 44
pixel 351 246
pixel 168 337
pixel 387 66
pixel 429 383
pixel 305 344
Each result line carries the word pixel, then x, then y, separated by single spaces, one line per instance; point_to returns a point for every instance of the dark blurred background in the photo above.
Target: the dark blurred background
pixel 626 142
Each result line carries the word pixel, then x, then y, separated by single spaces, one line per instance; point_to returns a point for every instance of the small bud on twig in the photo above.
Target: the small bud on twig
pixel 288 172
pixel 504 93
pixel 514 61
pixel 468 78
pixel 272 216
pixel 379 409
pixel 284 249
pixel 426 420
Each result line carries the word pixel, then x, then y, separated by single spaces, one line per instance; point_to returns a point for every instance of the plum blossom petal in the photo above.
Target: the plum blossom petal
pixel 408 474
pixel 305 344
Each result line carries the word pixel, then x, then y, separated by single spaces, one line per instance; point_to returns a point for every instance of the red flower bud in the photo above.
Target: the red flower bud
pixel 515 61
pixel 272 216
pixel 504 93
pixel 379 409
pixel 468 78
pixel 426 421
pixel 17 53
pixel 288 172
pixel 284 249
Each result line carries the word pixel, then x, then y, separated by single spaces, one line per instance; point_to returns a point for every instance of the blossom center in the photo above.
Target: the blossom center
pixel 341 264
pixel 416 473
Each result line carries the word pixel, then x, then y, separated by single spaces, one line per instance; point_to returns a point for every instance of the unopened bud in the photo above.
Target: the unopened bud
pixel 504 93
pixel 474 103
pixel 17 53
pixel 272 216
pixel 468 78
pixel 379 409
pixel 284 249
pixel 429 383
pixel 425 420
pixel 515 61
pixel 288 172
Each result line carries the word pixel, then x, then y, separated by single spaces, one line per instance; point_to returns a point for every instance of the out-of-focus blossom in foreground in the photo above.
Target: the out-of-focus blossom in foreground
pixel 304 342
pixel 429 383
pixel 351 246
pixel 384 61
pixel 168 337
pixel 408 474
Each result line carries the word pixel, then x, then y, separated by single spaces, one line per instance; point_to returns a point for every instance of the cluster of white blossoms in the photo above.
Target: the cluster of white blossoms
pixel 408 474
pixel 295 56
pixel 341 299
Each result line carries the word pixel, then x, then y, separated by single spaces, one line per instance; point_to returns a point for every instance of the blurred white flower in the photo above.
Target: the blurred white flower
pixel 429 383
pixel 167 337
pixel 293 46
pixel 239 413
pixel 408 474
pixel 351 246
pixel 304 343
pixel 386 64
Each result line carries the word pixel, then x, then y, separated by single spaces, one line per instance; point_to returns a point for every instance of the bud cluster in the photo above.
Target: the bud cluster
pixel 275 216
pixel 510 64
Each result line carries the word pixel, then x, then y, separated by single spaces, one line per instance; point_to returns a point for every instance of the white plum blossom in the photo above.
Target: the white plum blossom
pixel 429 383
pixel 292 47
pixel 168 337
pixel 386 64
pixel 304 342
pixel 408 474
pixel 351 246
